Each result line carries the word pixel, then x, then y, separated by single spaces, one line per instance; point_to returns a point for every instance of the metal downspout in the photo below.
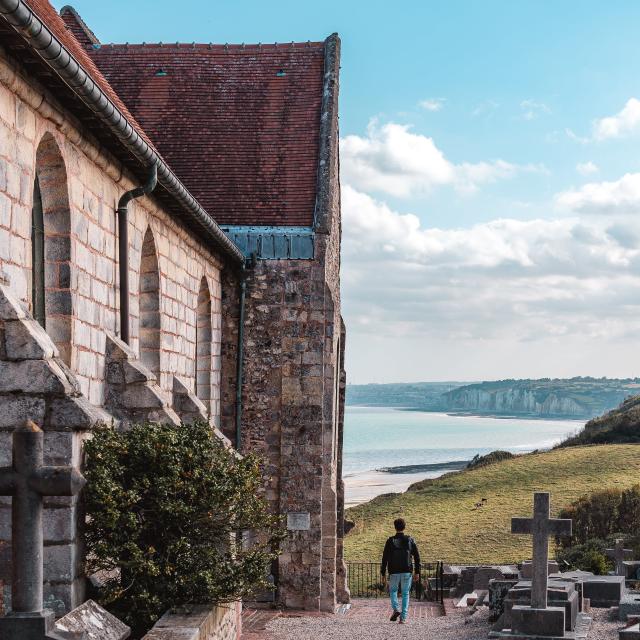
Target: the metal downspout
pixel 123 245
pixel 240 357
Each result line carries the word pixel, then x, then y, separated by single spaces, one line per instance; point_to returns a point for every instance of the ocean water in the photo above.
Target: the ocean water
pixel 379 437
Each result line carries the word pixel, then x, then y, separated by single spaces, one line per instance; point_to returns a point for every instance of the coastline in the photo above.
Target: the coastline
pixel 387 449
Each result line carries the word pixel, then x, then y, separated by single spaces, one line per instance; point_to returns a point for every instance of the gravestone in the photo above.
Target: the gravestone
pixel 632 569
pixel 91 622
pixel 603 591
pixel 559 594
pixel 538 619
pixel 27 481
pixel 620 554
pixel 484 575
pixel 632 633
pixel 526 569
pixel 629 606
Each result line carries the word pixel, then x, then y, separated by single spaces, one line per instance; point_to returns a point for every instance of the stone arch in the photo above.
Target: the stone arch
pixel 203 345
pixel 150 323
pixel 51 297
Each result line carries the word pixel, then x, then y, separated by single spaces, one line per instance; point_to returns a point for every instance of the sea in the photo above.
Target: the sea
pixel 387 449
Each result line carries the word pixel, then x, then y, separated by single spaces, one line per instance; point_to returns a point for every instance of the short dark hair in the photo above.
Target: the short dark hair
pixel 399 524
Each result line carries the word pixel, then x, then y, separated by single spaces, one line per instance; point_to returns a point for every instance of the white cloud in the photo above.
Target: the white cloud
pixel 575 137
pixel 587 168
pixel 432 104
pixel 616 197
pixel 532 109
pixel 623 123
pixel 479 294
pixel 392 159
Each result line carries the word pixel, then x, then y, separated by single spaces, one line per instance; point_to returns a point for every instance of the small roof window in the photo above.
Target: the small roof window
pixel 161 72
pixel 281 73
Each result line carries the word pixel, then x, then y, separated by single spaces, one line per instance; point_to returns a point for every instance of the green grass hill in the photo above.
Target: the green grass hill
pixel 622 425
pixel 442 517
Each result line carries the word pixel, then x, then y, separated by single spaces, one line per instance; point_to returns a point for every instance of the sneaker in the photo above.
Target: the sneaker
pixel 394 616
pixel 402 621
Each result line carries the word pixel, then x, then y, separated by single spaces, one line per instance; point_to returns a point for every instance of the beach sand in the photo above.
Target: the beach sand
pixel 362 487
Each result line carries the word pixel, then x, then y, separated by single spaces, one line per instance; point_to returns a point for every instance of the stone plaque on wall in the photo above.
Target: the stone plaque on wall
pixel 299 521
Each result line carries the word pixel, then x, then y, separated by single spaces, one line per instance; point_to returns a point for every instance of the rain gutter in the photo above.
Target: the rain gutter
pixel 41 40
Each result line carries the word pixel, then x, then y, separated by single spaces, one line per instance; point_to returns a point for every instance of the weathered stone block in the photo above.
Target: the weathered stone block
pixel 631 633
pixel 64 596
pixel 75 414
pixel 538 622
pixel 95 622
pixel 10 306
pixel 186 404
pixel 33 376
pixel 62 448
pixel 629 606
pixel 603 591
pixel 60 525
pixel 62 563
pixel 143 396
pixel 27 340
pixel 15 409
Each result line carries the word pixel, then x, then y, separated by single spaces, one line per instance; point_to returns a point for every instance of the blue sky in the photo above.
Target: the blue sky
pixel 489 227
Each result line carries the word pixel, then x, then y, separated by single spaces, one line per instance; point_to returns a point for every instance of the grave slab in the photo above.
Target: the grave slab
pixel 559 595
pixel 632 569
pixel 603 591
pixel 95 622
pixel 629 606
pixel 632 633
pixel 526 570
pixel 581 633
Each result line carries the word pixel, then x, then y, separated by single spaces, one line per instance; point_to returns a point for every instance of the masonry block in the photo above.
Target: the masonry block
pixel 132 394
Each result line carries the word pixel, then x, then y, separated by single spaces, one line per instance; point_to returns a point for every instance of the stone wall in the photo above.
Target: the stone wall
pixel 292 401
pixel 35 384
pixel 60 378
pixel 81 184
pixel 201 622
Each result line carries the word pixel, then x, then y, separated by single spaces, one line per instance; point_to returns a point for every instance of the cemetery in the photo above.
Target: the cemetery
pixel 533 599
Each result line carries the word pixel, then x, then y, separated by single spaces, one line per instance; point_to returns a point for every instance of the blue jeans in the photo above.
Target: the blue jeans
pixel 403 582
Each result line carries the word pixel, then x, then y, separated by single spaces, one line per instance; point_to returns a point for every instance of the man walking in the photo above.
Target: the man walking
pixel 402 559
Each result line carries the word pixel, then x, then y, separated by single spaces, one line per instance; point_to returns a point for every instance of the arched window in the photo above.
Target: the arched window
pixel 51 247
pixel 150 305
pixel 203 345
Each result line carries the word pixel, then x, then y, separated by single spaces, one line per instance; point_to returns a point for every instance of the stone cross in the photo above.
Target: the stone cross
pixel 541 526
pixel 27 481
pixel 620 554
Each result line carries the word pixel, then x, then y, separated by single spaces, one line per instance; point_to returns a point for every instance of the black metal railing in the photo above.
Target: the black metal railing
pixel 365 581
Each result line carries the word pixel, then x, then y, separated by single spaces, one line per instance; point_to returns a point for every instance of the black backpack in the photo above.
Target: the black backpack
pixel 400 561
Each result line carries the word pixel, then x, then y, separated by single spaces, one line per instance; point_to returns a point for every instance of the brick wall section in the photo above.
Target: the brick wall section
pixel 81 186
pixel 200 622
pixel 29 118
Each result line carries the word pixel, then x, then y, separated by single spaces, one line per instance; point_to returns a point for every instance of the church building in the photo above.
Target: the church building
pixel 170 250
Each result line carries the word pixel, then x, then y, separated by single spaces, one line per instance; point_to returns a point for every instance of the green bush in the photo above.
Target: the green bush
pixel 603 514
pixel 490 458
pixel 586 557
pixel 165 508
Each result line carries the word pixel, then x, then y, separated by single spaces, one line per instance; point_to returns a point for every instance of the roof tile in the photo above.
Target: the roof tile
pixel 239 124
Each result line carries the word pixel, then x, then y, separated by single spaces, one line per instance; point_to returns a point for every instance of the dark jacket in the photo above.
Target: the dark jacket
pixel 398 553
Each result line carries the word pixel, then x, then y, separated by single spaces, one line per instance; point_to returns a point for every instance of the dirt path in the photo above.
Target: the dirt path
pixel 369 620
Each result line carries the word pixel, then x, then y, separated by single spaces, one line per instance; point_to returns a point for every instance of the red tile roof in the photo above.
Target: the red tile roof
pixel 78 27
pixel 48 15
pixel 238 124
